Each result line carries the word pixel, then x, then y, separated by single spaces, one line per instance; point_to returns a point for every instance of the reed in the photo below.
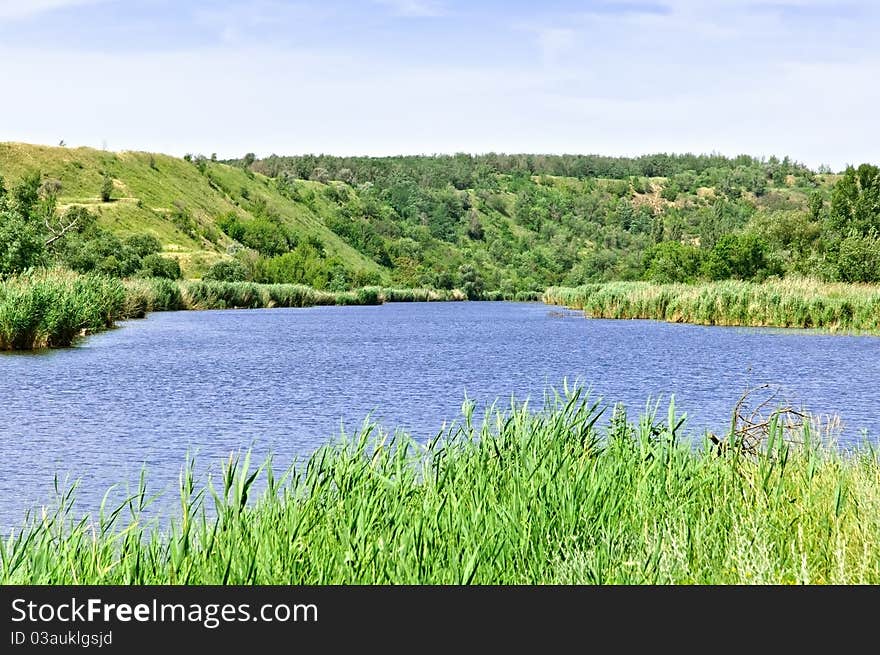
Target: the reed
pixel 41 309
pixel 51 308
pixel 797 302
pixel 522 497
pixel 393 294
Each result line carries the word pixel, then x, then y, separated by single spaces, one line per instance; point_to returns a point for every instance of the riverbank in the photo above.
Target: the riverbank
pixel 524 498
pixel 51 308
pixel 797 303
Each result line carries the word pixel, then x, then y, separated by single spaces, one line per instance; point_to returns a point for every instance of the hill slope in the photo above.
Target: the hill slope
pixel 170 198
pixel 507 223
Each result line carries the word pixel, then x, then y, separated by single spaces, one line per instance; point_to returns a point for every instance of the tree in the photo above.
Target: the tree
pixel 22 244
pixel 320 174
pixel 858 258
pixel 671 261
pixel 855 201
pixel 227 270
pixel 742 256
pixel 158 266
pixel 144 244
pixel 26 194
pixel 106 187
pixel 75 219
pixel 470 281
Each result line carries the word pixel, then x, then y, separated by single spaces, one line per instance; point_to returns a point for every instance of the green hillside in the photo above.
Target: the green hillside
pixel 485 224
pixel 170 198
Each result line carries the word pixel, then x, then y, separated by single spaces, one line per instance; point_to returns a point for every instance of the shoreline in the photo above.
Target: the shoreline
pixel 835 308
pixel 53 308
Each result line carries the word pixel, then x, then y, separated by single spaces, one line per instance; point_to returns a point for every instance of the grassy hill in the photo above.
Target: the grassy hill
pixel 504 223
pixel 170 198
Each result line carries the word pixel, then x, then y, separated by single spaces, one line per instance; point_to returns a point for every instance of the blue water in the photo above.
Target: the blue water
pixel 288 380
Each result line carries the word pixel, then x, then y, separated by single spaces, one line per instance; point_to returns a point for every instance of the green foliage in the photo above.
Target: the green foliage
pixel 470 282
pixel 21 244
pixel 159 266
pixel 98 250
pixel 267 237
pixel 227 270
pixel 521 222
pixel 858 258
pixel 144 244
pixel 182 219
pixel 106 187
pixel 51 308
pixel 305 264
pixel 855 201
pixel 742 257
pixel 671 261
pixel 795 302
pixel 26 194
pixel 553 496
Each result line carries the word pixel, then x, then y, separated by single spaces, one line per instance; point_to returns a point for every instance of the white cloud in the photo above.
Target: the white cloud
pixel 415 8
pixel 24 9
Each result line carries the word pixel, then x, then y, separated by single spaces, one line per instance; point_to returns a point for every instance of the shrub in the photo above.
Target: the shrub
pixel 106 187
pixel 227 270
pixel 144 244
pixel 162 267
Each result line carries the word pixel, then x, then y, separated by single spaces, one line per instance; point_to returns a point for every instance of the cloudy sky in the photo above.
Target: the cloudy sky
pixel 789 77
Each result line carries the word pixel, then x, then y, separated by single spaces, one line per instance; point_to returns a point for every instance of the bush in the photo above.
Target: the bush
pixel 106 187
pixel 21 244
pixel 162 267
pixel 672 261
pixel 227 270
pixel 144 244
pixel 858 259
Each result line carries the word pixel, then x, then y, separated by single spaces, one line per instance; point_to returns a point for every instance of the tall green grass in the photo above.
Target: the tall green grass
pixel 800 303
pixel 521 498
pixel 51 308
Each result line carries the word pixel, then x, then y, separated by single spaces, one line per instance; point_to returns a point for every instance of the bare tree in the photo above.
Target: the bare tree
pixel 75 218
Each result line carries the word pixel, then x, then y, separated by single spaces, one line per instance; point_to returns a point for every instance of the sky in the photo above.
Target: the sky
pixel 383 77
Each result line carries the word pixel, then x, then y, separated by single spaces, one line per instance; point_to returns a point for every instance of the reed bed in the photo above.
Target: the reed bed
pixel 799 303
pixel 395 294
pixel 51 308
pixel 522 497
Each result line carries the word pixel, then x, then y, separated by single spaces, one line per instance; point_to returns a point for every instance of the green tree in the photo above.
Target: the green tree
pixel 144 244
pixel 858 258
pixel 26 194
pixel 671 261
pixel 742 256
pixel 158 266
pixel 855 201
pixel 22 244
pixel 470 282
pixel 106 187
pixel 227 270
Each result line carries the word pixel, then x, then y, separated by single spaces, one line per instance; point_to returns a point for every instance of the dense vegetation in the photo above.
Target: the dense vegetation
pixel 524 497
pixel 799 303
pixel 527 222
pixel 51 308
pixel 501 224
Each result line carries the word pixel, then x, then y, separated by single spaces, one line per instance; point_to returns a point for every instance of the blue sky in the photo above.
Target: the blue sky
pixel 790 77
